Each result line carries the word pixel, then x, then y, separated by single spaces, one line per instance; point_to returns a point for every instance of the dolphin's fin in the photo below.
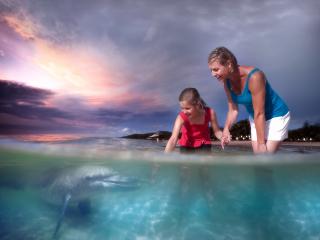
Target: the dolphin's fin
pixel 63 210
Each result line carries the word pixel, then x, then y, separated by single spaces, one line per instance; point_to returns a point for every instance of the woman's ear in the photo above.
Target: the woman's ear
pixel 230 67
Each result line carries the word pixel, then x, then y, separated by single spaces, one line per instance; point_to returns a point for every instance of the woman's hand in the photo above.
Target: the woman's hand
pixel 226 138
pixel 262 148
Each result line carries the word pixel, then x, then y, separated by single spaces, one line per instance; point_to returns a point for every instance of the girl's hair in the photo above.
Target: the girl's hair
pixel 192 96
pixel 224 56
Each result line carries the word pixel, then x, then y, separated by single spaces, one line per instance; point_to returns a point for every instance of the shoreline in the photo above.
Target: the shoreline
pixel 66 137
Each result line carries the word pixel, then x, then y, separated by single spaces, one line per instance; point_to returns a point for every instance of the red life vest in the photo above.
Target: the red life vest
pixel 195 135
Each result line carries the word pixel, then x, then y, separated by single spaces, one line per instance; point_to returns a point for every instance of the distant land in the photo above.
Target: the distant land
pixel 241 131
pixel 159 135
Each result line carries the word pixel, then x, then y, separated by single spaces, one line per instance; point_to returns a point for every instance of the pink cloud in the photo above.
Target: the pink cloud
pixel 76 70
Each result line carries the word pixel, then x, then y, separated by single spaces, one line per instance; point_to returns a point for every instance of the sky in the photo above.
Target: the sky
pixel 117 67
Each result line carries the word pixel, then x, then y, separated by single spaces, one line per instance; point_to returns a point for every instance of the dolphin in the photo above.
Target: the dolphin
pixel 78 184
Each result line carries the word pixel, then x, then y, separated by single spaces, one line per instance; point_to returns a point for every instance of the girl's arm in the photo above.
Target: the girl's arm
pixel 231 118
pixel 171 144
pixel 257 87
pixel 214 124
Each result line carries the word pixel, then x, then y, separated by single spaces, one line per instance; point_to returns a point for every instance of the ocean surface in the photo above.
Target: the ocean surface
pixel 62 187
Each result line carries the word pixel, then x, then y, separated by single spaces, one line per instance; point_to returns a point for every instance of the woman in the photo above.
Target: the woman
pixel 247 85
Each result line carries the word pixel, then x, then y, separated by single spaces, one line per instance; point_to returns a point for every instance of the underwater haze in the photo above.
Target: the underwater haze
pixel 101 188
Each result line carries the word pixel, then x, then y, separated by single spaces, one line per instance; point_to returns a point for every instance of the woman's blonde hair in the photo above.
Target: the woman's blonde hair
pixel 224 56
pixel 192 96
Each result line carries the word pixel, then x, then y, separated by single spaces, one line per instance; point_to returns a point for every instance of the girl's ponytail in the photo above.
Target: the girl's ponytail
pixel 202 103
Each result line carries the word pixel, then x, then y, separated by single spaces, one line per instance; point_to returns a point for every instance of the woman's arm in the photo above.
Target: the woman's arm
pixel 231 118
pixel 214 124
pixel 171 144
pixel 257 87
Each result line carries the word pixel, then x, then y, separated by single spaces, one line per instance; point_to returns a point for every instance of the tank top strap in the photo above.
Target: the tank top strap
pixel 185 118
pixel 252 72
pixel 186 123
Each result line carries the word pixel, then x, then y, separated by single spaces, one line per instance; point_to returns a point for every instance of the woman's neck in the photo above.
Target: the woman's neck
pixel 235 76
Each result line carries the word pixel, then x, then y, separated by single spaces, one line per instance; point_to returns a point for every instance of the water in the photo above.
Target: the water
pixel 224 195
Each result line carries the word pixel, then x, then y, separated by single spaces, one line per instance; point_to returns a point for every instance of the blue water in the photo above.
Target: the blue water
pixel 224 195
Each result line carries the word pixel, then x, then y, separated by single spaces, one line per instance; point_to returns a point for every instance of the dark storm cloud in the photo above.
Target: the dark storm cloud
pixel 26 106
pixel 13 92
pixel 27 102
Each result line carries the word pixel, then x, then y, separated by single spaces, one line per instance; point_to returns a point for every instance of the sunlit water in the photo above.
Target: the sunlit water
pixel 225 195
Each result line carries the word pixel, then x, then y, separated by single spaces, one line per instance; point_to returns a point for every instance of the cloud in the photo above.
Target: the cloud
pixel 124 130
pixel 27 102
pixel 125 62
pixel 15 93
pixel 25 109
pixel 22 106
pixel 129 118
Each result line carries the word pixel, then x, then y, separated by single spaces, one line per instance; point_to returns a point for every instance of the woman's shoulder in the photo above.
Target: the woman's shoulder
pixel 247 69
pixel 251 72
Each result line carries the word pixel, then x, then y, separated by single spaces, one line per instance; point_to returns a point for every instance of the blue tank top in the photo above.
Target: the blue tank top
pixel 274 105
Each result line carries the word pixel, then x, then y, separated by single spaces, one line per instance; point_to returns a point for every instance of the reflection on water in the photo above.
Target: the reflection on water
pixel 99 144
pixel 148 195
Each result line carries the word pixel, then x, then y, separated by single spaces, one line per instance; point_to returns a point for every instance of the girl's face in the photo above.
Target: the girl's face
pixel 219 71
pixel 189 109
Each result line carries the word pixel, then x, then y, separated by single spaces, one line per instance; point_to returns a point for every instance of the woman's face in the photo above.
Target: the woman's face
pixel 188 108
pixel 219 71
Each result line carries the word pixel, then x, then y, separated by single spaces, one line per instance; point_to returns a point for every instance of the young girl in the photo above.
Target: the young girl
pixel 193 121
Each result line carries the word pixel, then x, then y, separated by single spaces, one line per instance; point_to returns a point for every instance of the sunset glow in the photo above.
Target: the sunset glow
pixel 101 67
pixel 75 70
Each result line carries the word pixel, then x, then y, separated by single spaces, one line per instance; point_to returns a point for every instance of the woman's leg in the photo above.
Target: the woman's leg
pixel 254 145
pixel 272 146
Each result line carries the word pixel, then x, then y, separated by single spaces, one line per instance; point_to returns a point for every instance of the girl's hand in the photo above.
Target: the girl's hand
pixel 218 135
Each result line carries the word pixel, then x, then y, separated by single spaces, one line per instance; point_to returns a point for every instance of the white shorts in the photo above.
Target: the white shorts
pixel 276 128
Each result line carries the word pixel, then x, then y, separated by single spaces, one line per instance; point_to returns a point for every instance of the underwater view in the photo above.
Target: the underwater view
pixel 92 91
pixel 108 188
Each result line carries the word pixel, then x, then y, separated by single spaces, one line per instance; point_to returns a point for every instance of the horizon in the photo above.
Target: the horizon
pixel 56 137
pixel 117 68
